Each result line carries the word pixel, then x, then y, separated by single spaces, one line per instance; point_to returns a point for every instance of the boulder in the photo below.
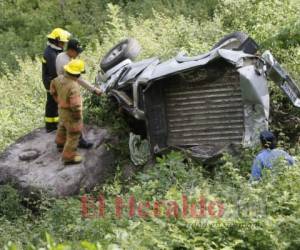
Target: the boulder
pixel 34 163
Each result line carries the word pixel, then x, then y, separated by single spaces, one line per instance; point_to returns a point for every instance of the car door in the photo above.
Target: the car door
pixel 281 77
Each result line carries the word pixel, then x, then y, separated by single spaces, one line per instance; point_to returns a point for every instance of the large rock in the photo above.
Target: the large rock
pixel 33 163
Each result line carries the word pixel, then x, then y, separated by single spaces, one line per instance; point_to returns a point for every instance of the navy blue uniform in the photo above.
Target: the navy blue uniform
pixel 49 73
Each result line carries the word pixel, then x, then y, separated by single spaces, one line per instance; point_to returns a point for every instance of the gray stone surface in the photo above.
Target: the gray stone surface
pixel 33 162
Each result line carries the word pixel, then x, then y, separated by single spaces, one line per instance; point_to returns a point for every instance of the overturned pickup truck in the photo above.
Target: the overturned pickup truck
pixel 203 104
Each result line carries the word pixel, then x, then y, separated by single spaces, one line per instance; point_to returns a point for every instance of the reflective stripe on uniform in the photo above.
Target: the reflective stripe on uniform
pixel 52 119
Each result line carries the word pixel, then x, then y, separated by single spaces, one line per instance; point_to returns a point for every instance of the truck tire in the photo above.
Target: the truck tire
pixel 238 41
pixel 126 49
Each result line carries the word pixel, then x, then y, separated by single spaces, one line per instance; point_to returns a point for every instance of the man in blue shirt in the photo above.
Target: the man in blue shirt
pixel 268 156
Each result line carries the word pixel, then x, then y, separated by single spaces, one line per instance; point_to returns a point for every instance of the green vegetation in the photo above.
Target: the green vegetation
pixel 24 24
pixel 261 216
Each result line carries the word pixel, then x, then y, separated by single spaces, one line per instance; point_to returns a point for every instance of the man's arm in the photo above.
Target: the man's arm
pixel 75 103
pixel 256 169
pixel 85 84
pixel 53 91
pixel 49 68
pixel 289 159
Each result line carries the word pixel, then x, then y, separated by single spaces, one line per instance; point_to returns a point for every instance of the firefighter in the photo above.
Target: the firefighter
pixel 72 52
pixel 66 92
pixel 56 41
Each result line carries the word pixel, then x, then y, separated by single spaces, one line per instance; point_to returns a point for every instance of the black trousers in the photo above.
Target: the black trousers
pixel 51 113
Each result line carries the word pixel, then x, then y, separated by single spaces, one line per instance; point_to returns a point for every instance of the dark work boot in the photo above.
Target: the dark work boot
pixel 84 144
pixel 60 147
pixel 51 127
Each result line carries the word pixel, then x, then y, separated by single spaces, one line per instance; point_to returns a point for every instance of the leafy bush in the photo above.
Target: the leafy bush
pixel 264 215
pixel 10 202
pixel 24 34
pixel 22 102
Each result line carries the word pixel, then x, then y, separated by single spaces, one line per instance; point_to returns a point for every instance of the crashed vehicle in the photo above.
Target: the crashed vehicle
pixel 203 104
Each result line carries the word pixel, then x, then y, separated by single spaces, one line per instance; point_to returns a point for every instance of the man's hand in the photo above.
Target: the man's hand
pixel 98 92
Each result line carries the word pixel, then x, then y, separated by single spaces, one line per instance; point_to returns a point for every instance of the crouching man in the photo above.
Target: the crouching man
pixel 268 156
pixel 66 92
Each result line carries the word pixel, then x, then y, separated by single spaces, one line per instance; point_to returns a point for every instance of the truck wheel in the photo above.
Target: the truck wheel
pixel 238 41
pixel 126 49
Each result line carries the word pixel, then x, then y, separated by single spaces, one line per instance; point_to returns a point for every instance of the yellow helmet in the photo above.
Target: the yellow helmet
pixel 75 67
pixel 60 35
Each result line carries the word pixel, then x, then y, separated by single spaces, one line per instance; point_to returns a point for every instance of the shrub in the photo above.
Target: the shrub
pixel 10 202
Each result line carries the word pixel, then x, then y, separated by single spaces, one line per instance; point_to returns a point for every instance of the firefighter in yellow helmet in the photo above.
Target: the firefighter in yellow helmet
pixel 66 92
pixel 56 41
pixel 72 52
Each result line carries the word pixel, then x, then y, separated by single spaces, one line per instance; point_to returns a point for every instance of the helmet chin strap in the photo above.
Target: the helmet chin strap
pixel 52 45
